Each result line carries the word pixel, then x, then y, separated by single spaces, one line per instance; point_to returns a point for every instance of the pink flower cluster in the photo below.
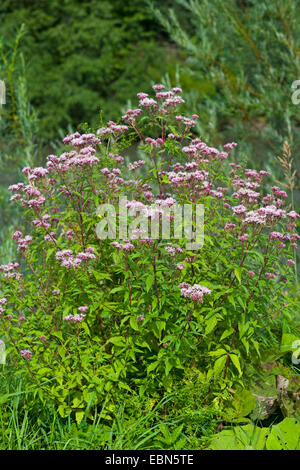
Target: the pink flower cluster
pixel 169 98
pixel 21 242
pixel 68 260
pixel 35 173
pixel 247 195
pixel 278 192
pixel 186 121
pixel 241 209
pixel 277 236
pixel 229 226
pixel 230 146
pixel 195 292
pixel 168 202
pixel 189 179
pixel 113 180
pixel 147 211
pixel 83 309
pixel 293 215
pixel 244 237
pixel 180 266
pixel 270 275
pixel 112 129
pixel 117 158
pixel 70 160
pixel 77 140
pixel 137 234
pixel 199 149
pixel 165 100
pixel 3 301
pixel 69 234
pixel 42 222
pixel 16 187
pixel 148 103
pixel 131 115
pixel 77 318
pixel 126 247
pixel 10 271
pixel 135 165
pixel 30 190
pixel 154 142
pixel 26 354
pixel 172 250
pixel 265 215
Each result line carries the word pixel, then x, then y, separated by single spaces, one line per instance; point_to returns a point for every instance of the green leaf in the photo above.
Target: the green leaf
pixel 289 342
pixel 152 367
pixel 218 352
pixel 143 344
pixel 169 365
pixel 246 344
pixel 133 323
pixel 210 324
pixel 241 302
pixel 242 404
pixel 243 327
pixel 240 438
pixel 57 334
pixel 116 289
pixel 238 274
pixel 149 282
pixel 285 435
pixel 63 410
pixel 236 362
pixel 117 341
pixel 231 300
pixel 219 365
pixel 227 333
pixel 79 415
pixel 77 403
pixel 100 276
pixel 49 253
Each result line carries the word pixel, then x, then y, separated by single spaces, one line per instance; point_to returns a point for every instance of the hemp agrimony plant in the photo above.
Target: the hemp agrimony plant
pixel 91 319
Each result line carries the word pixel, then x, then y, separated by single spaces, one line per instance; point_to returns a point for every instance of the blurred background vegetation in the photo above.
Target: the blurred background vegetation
pixel 69 62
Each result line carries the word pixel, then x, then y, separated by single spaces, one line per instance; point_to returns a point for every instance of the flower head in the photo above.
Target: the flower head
pixel 26 354
pixel 195 292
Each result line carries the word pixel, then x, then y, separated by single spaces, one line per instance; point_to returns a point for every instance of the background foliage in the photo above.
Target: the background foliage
pixel 242 58
pixel 85 55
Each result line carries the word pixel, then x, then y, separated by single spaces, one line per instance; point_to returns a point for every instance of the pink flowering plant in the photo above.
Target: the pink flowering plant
pixel 91 319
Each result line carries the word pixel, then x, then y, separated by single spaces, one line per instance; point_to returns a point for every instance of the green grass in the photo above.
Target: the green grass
pixel 28 424
pixel 178 421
